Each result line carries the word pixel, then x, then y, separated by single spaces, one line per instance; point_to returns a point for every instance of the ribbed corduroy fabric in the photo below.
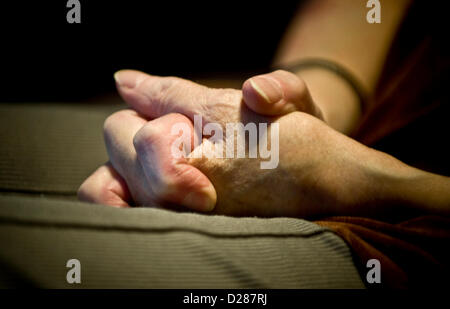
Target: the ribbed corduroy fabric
pixel 50 148
pixel 154 248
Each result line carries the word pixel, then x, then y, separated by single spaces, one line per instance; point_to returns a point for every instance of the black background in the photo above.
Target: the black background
pixel 43 58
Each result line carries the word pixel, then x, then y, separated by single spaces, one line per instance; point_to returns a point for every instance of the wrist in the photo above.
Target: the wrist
pixel 338 102
pixel 396 190
pixel 424 192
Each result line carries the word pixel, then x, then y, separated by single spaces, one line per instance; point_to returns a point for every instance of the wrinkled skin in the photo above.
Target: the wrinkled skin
pixel 318 169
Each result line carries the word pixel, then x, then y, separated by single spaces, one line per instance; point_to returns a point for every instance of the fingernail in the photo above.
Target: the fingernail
pixel 267 88
pixel 125 78
pixel 203 200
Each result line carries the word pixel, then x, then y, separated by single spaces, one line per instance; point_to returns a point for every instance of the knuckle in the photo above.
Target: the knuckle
pixel 116 118
pixel 146 136
pixel 301 88
pixel 161 90
pixel 138 139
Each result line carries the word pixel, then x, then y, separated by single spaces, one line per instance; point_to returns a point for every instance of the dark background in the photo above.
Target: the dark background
pixel 43 58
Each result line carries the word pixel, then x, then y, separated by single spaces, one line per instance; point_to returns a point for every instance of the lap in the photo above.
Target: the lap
pixel 154 248
pixel 50 148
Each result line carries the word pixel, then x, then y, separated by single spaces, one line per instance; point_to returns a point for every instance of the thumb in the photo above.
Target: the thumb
pixel 155 96
pixel 278 93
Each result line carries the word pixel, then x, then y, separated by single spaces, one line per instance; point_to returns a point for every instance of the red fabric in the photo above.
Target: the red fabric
pixel 412 253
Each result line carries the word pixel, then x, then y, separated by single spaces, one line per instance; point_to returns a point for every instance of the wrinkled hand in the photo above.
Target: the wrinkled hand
pixel 318 167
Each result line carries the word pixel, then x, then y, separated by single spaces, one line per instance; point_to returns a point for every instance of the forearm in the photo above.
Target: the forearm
pixel 426 193
pixel 336 99
pixel 395 189
pixel 338 31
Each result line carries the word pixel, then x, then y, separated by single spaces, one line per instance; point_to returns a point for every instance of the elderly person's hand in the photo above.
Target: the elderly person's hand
pixel 277 93
pixel 320 171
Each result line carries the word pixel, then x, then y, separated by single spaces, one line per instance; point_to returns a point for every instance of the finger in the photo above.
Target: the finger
pixel 278 93
pixel 162 146
pixel 155 96
pixel 119 131
pixel 105 186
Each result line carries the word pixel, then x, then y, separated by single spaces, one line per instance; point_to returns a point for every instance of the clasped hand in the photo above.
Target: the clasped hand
pixel 320 171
